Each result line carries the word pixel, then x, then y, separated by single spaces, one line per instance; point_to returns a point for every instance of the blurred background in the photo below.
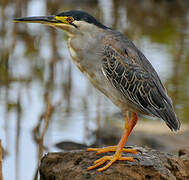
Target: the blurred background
pixel 41 89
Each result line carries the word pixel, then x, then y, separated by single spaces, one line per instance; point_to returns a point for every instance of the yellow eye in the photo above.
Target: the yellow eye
pixel 70 19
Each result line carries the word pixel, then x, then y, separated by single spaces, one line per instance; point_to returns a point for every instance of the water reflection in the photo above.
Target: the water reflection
pixel 35 68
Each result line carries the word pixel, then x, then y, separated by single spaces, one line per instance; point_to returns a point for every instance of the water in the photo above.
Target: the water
pixel 35 63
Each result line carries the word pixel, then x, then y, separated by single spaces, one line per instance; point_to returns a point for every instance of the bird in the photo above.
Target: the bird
pixel 118 69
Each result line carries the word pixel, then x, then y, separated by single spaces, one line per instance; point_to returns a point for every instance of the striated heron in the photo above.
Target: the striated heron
pixel 118 69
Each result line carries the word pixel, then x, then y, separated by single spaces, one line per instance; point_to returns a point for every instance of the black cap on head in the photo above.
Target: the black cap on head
pixel 82 16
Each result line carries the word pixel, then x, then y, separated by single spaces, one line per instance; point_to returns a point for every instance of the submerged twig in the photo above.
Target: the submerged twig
pixel 98 105
pixel 1 162
pixel 18 130
pixel 46 121
pixel 40 140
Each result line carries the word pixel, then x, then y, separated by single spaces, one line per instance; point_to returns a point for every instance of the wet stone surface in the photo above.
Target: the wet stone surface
pixel 151 164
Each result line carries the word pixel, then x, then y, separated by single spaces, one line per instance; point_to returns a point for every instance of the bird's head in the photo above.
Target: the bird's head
pixel 73 22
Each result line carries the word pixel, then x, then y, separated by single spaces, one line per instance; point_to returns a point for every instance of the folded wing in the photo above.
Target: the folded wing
pixel 141 86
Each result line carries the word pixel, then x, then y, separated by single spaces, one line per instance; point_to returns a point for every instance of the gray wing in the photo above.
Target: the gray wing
pixel 141 86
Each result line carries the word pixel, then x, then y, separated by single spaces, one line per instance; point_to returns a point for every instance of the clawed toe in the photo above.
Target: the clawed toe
pixel 103 150
pixel 131 147
pixel 105 158
pixel 113 149
pixel 135 158
pixel 139 151
pixel 111 160
pixel 99 162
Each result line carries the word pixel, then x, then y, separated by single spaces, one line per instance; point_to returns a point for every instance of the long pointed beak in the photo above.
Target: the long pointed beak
pixel 38 19
pixel 63 22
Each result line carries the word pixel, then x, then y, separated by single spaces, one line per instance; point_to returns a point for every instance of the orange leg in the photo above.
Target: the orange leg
pixel 129 125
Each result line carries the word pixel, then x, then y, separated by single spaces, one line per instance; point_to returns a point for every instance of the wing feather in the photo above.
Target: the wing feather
pixel 141 86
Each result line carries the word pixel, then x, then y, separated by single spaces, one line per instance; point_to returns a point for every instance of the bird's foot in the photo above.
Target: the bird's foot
pixel 111 159
pixel 113 149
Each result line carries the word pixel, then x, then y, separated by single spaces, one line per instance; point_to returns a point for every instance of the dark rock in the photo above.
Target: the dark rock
pixel 69 145
pixel 152 164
